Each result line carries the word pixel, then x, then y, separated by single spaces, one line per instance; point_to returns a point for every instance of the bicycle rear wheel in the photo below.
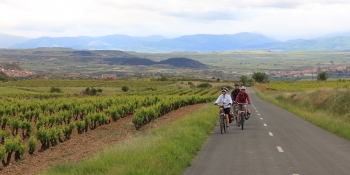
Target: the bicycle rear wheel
pixel 242 120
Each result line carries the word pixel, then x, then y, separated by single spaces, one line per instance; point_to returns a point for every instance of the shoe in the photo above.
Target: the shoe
pixel 238 124
pixel 247 117
pixel 227 128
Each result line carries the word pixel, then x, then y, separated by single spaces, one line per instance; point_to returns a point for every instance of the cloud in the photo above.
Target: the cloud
pixel 282 19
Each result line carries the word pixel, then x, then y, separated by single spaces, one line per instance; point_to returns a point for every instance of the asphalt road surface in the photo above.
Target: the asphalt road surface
pixel 273 142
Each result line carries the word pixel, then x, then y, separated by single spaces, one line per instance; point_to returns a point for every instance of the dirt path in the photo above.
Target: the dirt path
pixel 82 146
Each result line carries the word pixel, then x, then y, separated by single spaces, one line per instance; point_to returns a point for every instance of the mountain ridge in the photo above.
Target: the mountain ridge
pixel 187 43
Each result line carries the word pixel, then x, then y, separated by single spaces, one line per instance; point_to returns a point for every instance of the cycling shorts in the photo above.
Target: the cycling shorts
pixel 226 110
pixel 240 107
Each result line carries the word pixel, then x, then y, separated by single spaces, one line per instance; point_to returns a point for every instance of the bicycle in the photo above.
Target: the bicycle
pixel 243 115
pixel 222 122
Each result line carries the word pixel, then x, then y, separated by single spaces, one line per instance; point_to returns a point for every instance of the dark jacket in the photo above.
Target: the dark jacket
pixel 234 94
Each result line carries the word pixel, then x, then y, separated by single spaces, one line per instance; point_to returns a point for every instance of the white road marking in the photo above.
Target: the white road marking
pixel 295 174
pixel 280 149
pixel 261 118
pixel 256 111
pixel 270 133
pixel 258 114
pixel 265 124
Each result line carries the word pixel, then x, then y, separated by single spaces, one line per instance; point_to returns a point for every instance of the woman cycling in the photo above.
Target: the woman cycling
pixel 226 102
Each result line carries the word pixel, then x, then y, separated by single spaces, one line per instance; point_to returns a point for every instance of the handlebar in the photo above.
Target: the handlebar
pixel 243 103
pixel 221 104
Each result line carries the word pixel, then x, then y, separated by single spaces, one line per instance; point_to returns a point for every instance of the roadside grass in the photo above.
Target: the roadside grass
pixel 165 150
pixel 326 108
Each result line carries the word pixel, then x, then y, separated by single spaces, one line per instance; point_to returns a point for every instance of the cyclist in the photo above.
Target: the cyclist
pixel 242 97
pixel 226 102
pixel 234 94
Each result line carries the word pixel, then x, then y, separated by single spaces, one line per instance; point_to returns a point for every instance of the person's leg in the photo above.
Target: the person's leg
pixel 234 108
pixel 239 107
pixel 245 109
pixel 227 121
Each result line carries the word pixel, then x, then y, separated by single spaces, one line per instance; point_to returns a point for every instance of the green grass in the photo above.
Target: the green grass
pixel 14 90
pixel 315 107
pixel 166 150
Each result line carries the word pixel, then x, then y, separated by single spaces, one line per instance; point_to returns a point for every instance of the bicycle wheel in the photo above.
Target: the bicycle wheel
pixel 221 126
pixel 224 124
pixel 242 120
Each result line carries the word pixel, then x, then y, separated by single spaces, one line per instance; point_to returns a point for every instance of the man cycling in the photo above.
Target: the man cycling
pixel 226 103
pixel 242 97
pixel 234 94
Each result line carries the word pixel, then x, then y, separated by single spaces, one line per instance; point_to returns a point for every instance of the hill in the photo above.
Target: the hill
pixel 184 62
pixel 176 62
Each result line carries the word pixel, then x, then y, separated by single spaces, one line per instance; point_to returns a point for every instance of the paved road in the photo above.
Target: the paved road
pixel 273 142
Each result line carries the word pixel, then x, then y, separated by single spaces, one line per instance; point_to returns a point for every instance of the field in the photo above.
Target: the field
pixel 33 120
pixel 306 85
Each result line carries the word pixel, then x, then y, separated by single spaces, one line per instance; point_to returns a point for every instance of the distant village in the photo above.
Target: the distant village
pixel 312 72
pixel 11 69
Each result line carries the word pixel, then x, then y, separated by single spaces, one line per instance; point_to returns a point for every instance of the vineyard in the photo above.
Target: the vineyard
pixel 306 85
pixel 27 119
pixel 84 83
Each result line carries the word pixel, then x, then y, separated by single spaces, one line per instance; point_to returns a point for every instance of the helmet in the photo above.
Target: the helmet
pixel 225 89
pixel 243 87
pixel 236 84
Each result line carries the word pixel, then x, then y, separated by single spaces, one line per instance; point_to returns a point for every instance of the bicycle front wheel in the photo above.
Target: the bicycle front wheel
pixel 221 125
pixel 224 124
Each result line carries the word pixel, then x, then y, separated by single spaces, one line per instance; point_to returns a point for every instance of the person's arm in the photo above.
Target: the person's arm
pixel 248 98
pixel 230 100
pixel 237 97
pixel 218 100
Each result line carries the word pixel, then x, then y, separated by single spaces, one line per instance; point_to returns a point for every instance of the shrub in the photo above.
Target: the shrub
pixel 204 85
pixel 125 88
pixel 55 90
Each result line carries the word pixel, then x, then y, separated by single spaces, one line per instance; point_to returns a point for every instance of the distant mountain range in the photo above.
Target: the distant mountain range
pixel 189 43
pixel 7 41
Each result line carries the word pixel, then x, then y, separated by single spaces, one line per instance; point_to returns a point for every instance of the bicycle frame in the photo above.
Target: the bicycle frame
pixel 222 123
pixel 242 114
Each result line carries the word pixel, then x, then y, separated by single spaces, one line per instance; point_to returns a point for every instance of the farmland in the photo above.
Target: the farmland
pixel 33 120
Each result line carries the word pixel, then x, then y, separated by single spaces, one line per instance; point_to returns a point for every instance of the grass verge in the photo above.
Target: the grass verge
pixel 165 150
pixel 338 125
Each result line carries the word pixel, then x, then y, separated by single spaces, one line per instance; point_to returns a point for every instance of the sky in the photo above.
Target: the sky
pixel 279 19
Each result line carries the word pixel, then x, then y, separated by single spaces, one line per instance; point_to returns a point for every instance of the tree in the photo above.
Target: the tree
pixel 250 82
pixel 243 80
pixel 163 77
pixel 323 76
pixel 259 76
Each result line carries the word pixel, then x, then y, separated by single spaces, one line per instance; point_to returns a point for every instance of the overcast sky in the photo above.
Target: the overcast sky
pixel 281 19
